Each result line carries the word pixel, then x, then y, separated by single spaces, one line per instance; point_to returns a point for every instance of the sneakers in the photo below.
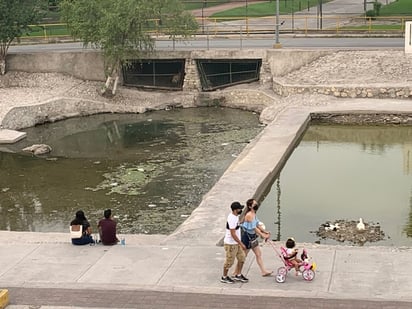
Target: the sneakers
pixel 226 279
pixel 241 278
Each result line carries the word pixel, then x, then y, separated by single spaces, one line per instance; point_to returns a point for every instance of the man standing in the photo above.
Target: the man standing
pixel 234 248
pixel 107 229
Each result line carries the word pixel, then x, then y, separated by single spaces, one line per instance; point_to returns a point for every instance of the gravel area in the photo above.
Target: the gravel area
pixel 24 89
pixel 355 67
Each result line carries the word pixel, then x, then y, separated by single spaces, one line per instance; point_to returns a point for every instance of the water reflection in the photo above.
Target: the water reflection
pixel 278 235
pixel 342 172
pixel 151 169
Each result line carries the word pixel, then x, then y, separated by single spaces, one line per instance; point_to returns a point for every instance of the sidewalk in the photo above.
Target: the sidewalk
pixel 55 273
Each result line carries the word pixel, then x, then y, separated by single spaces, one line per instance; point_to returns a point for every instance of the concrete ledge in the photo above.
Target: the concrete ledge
pixel 4 298
pixel 11 136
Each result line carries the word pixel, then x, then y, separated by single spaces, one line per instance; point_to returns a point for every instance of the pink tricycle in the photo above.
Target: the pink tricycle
pixel 307 267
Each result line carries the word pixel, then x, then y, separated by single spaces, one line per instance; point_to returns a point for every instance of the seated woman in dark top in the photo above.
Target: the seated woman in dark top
pixel 80 223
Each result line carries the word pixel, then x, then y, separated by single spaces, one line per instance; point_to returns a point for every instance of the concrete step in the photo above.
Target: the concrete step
pixel 11 136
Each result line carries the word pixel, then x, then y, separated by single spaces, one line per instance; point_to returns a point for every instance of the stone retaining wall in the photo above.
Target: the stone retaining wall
pixel 20 117
pixel 362 118
pixel 372 91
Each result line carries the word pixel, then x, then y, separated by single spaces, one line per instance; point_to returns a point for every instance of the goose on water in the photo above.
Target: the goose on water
pixel 360 226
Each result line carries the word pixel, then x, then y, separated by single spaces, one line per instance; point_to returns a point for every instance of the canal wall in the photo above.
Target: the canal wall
pixel 89 64
pixel 276 63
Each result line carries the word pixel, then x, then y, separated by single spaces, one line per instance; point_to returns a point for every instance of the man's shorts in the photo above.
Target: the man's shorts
pixel 232 252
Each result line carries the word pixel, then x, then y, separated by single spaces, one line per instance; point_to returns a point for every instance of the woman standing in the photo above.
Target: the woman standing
pixel 80 222
pixel 252 230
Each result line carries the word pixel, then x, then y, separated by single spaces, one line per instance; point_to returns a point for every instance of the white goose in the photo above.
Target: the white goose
pixel 360 226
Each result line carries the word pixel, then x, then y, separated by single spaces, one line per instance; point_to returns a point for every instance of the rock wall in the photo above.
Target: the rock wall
pixel 282 62
pixel 350 91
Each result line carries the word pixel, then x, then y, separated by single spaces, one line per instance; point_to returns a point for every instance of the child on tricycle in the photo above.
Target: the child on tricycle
pixel 290 260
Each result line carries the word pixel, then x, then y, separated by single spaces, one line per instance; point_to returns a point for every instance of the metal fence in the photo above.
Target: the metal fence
pixel 304 24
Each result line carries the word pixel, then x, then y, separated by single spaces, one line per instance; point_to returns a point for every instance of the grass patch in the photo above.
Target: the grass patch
pixel 49 30
pixel 399 7
pixel 198 4
pixel 374 27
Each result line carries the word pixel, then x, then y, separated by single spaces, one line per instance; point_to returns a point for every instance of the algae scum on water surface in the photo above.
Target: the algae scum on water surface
pixel 151 169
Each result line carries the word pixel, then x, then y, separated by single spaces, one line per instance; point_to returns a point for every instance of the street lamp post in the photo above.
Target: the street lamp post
pixel 203 17
pixel 293 16
pixel 321 14
pixel 277 44
pixel 247 21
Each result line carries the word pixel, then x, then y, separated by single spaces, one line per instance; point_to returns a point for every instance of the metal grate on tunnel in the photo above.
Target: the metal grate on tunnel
pixel 218 73
pixel 154 73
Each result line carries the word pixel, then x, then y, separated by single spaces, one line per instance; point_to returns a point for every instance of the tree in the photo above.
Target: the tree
pixel 53 5
pixel 16 16
pixel 174 22
pixel 121 28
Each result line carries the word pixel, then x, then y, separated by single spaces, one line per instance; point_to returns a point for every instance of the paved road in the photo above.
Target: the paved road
pixel 244 42
pixel 287 42
pixel 146 299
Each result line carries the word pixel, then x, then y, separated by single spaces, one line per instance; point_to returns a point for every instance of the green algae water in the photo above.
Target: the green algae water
pixel 344 173
pixel 151 169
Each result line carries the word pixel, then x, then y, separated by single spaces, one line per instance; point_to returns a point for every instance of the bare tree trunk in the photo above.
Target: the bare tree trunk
pixel 106 86
pixel 116 81
pixel 2 66
pixel 110 87
pixel 108 82
pixel 4 47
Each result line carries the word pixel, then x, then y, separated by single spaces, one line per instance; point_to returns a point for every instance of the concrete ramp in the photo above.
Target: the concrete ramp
pixel 11 136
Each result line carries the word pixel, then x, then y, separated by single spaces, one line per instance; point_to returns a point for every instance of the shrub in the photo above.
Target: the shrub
pixel 377 7
pixel 370 13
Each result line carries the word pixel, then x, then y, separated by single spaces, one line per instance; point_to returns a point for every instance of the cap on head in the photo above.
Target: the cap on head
pixel 236 205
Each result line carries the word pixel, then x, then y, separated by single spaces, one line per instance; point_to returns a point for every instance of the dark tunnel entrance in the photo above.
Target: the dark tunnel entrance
pixel 155 73
pixel 216 74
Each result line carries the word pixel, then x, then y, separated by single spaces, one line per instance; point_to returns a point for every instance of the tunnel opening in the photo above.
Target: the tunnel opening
pixel 217 74
pixel 165 74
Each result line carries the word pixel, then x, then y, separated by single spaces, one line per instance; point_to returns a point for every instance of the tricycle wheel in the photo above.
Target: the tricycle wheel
pixel 308 274
pixel 282 271
pixel 280 278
